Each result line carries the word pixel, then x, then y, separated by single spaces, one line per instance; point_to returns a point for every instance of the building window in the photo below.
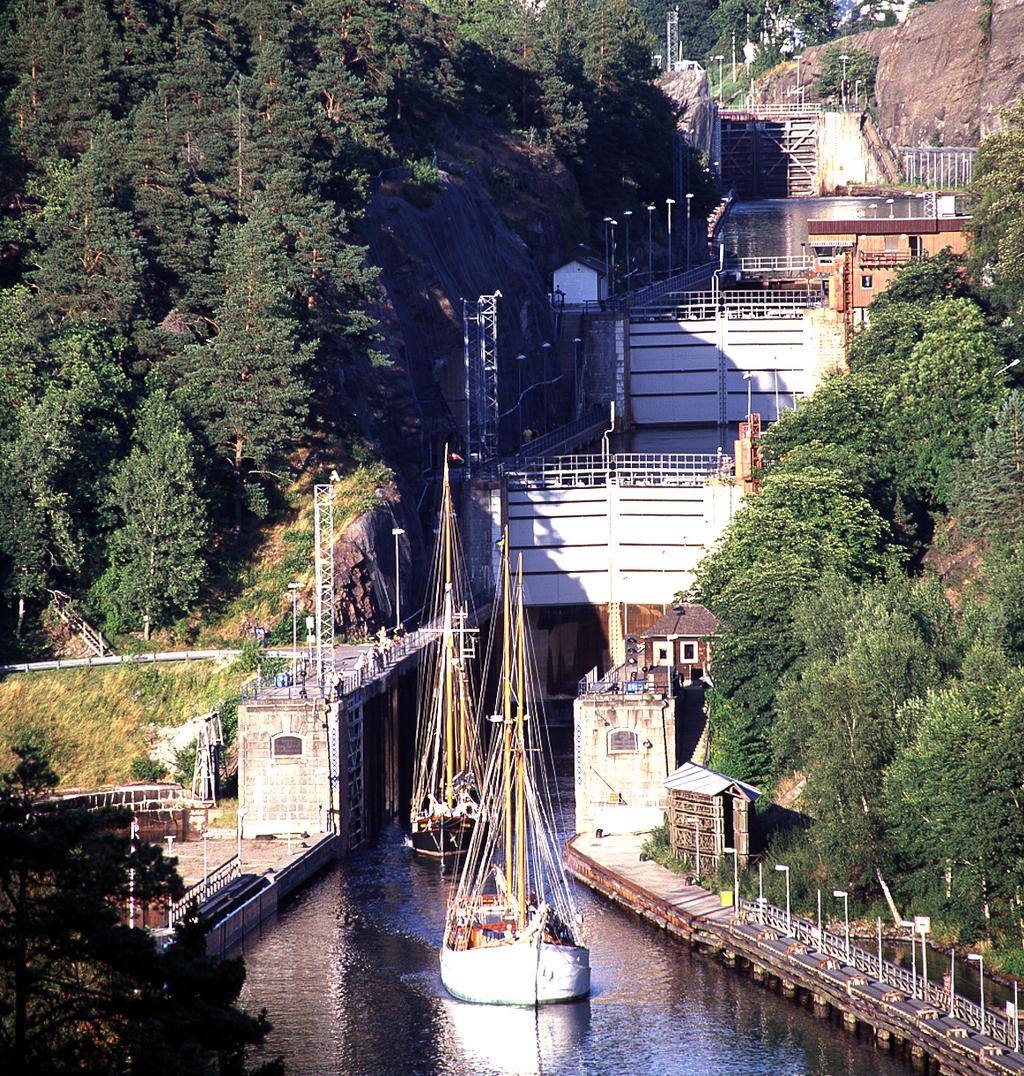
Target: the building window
pixel 892 243
pixel 689 652
pixel 662 654
pixel 286 746
pixel 621 741
pixel 866 282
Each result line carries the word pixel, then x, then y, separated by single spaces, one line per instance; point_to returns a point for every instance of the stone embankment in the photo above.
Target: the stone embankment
pixel 815 968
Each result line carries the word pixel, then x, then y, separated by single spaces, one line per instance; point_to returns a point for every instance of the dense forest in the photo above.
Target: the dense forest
pixel 873 590
pixel 182 284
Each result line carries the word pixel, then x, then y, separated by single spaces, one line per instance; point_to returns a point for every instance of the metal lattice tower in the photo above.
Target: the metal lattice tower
pixel 671 40
pixel 323 538
pixel 480 345
pixel 209 740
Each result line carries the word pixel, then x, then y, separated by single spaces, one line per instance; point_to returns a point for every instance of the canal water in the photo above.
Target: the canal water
pixel 349 975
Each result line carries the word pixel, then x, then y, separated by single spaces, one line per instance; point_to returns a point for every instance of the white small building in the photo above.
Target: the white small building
pixel 582 280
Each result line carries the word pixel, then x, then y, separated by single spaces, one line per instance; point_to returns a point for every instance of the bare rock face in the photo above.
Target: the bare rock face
pixel 942 79
pixel 691 91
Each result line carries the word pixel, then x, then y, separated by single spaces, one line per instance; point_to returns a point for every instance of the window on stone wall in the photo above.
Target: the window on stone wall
pixel 622 740
pixel 287 746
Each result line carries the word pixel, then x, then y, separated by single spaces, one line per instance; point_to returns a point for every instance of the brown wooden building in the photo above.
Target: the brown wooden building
pixel 681 641
pixel 709 811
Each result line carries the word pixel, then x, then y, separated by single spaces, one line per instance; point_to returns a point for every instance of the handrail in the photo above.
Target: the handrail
pixel 622 468
pixel 205 888
pixel 997 1027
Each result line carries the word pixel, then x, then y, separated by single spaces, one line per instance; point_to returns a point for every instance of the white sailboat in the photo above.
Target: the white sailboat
pixel 512 932
pixel 446 799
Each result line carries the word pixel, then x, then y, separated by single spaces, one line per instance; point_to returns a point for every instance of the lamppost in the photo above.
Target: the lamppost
pixel 981 978
pixel 670 202
pixel 1010 365
pixel 398 532
pixel 294 588
pixel 238 837
pixel 856 93
pixel 721 84
pixel 612 224
pixel 627 213
pixel 650 243
pixel 873 206
pixel 844 58
pixel 891 203
pixel 520 359
pixel 607 266
pixel 689 199
pixel 577 388
pixel 735 878
pixel 846 917
pixel 789 919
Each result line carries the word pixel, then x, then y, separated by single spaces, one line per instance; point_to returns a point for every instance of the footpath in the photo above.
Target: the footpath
pixel 808 966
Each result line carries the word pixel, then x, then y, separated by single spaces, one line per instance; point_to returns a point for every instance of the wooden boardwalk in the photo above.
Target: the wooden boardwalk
pixel 816 971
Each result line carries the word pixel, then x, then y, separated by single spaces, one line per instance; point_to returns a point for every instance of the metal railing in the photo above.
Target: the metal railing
pixel 623 469
pixel 834 945
pixel 937 166
pixel 781 109
pixel 673 282
pixel 883 259
pixel 205 888
pixel 580 429
pixel 737 303
pixel 786 263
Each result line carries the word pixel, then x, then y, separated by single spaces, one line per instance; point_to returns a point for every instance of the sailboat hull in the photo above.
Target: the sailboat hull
pixel 442 837
pixel 519 973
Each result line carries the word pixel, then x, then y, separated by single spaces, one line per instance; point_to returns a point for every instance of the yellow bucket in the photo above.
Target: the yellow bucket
pixel 725 895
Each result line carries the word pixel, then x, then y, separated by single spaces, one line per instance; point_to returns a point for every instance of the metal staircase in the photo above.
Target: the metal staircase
pixel 78 625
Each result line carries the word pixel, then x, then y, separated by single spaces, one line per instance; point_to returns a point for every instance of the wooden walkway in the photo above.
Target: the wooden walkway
pixel 757 937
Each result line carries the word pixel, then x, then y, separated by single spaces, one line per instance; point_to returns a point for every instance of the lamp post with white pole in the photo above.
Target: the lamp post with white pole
pixel 846 917
pixel 689 199
pixel 843 60
pixel 398 532
pixel 650 243
pixel 789 919
pixel 670 202
pixel 294 588
pixel 607 264
pixel 891 203
pixel 981 979
pixel 627 213
pixel 721 84
pixel 613 224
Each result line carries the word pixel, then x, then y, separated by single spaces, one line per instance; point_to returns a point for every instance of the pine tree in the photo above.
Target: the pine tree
pixel 156 554
pixel 247 384
pixel 989 495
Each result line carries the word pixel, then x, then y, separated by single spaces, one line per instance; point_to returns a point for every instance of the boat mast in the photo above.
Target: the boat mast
pixel 506 708
pixel 449 726
pixel 520 749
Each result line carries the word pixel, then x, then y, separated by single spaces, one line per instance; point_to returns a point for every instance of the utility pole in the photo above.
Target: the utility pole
pixel 670 202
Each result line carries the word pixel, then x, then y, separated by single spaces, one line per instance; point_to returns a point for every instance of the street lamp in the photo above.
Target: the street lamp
pixel 891 203
pixel 627 213
pixel 873 206
pixel 398 532
pixel 846 917
pixel 670 202
pixel 721 84
pixel 1009 366
pixel 520 359
pixel 789 919
pixel 650 243
pixel 612 223
pixel 844 58
pixel 689 199
pixel 856 93
pixel 607 268
pixel 981 978
pixel 294 588
pixel 735 878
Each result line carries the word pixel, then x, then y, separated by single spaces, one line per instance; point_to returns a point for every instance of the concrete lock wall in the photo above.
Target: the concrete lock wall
pixel 593 545
pixel 844 156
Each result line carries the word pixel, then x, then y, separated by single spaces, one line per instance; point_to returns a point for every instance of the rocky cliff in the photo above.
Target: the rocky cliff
pixel 942 75
pixel 690 90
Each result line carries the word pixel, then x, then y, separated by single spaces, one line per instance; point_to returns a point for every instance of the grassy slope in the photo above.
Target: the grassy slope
pixel 95 719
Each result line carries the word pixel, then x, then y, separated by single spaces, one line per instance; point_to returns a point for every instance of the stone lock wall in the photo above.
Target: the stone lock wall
pixel 283 793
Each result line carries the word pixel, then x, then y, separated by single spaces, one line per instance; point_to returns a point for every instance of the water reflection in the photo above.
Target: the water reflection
pixel 349 974
pixel 777 226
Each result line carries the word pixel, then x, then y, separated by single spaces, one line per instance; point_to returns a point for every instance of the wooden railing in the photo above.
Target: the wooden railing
pixel 205 888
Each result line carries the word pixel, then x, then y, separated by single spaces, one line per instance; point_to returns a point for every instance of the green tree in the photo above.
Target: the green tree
pixel 998 218
pixel 247 384
pixel 860 64
pixel 156 554
pixel 80 991
pixel 989 489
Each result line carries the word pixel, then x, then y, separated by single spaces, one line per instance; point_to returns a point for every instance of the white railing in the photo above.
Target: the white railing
pixel 623 469
pixel 737 303
pixel 786 263
pixel 834 945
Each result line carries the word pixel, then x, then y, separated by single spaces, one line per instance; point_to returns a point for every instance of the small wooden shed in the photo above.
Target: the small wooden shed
pixel 582 280
pixel 708 809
